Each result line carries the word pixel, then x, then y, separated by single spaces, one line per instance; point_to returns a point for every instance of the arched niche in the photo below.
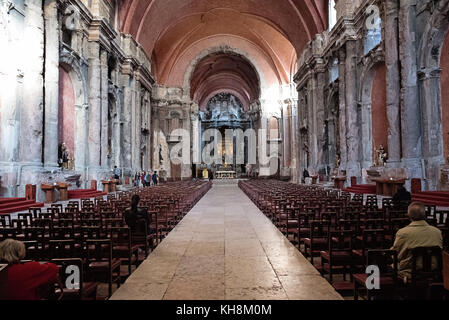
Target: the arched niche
pixel 66 112
pixel 374 118
pixel 73 81
pixel 432 80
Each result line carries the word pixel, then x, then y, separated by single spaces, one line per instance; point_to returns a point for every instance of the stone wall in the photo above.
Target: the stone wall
pixel 68 75
pixel 409 122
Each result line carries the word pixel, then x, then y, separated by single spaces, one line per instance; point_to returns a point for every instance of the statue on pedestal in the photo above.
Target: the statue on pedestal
pixel 63 158
pixel 337 161
pixel 381 156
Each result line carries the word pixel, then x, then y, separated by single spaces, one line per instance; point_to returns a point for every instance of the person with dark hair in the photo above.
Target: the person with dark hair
pixel 137 179
pixel 134 214
pixel 154 178
pixel 402 196
pixel 417 234
pixel 117 173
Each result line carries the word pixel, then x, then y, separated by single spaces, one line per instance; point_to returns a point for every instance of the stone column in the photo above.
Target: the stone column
pixel 31 129
pixel 195 138
pixel 393 82
pixel 320 119
pixel 136 127
pixel 81 121
pixel 51 83
pixel 411 113
pixel 432 144
pixel 287 135
pixel 150 127
pixel 352 129
pixel 312 124
pixel 104 108
pixel 295 140
pixel 342 108
pixel 12 28
pixel 126 118
pixel 95 118
pixel 304 140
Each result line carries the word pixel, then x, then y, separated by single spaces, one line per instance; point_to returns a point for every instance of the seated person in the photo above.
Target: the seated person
pixel 417 234
pixel 305 175
pixel 26 280
pixel 402 196
pixel 134 214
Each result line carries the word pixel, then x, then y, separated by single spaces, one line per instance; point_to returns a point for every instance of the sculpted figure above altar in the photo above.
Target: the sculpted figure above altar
pixel 381 156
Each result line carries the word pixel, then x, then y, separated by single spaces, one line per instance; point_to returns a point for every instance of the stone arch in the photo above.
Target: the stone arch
pixel 223 49
pixel 431 80
pixel 78 78
pixel 433 37
pixel 374 124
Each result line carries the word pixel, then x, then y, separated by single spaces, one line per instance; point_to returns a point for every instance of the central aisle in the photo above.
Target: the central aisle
pixel 225 248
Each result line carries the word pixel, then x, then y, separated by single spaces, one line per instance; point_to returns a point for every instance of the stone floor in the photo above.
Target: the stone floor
pixel 225 248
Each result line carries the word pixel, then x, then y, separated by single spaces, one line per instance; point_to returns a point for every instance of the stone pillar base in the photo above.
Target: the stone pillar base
pixel 414 169
pixel 353 170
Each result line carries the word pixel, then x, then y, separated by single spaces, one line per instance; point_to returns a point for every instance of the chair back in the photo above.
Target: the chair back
pixel 446 269
pixel 62 249
pixel 427 264
pixel 75 292
pixel 386 260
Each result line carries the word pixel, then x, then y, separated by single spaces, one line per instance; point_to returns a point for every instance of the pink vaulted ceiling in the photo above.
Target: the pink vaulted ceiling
pixel 224 72
pixel 271 32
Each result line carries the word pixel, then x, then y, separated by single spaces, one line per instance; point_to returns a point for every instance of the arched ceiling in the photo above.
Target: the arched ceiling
pixel 227 73
pixel 176 32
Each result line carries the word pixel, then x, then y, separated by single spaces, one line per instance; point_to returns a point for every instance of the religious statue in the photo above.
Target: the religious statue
pixel 63 159
pixel 160 156
pixel 381 156
pixel 338 161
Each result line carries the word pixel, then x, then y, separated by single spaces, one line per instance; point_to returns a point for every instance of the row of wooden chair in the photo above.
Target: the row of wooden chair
pixel 334 227
pixel 93 235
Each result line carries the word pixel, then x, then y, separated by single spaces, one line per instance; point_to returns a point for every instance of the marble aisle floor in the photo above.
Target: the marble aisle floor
pixel 225 248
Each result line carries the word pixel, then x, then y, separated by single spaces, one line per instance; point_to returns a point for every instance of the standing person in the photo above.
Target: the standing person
pixel 136 179
pixel 26 279
pixel 148 179
pixel 142 179
pixel 154 178
pixel 116 173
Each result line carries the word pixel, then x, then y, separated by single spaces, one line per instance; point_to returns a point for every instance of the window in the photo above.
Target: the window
pixel 373 36
pixel 333 72
pixel 332 14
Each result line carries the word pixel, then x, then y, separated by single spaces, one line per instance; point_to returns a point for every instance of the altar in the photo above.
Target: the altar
pixel 225 175
pixel 388 186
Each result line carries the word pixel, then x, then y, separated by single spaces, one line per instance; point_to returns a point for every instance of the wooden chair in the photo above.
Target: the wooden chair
pixel 101 266
pixel 387 262
pixel 339 257
pixel 318 239
pixel 59 249
pixel 122 247
pixel 427 272
pixel 78 291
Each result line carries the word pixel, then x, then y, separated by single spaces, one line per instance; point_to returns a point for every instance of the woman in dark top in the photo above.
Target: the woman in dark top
pixel 402 197
pixel 134 214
